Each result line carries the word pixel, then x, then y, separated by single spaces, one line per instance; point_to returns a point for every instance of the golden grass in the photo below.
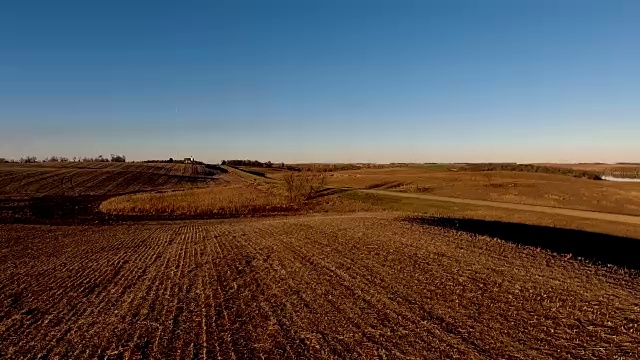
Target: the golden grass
pixel 237 194
pixel 234 199
pixel 515 187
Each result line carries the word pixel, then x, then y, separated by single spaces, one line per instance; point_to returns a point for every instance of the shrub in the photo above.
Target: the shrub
pixel 304 185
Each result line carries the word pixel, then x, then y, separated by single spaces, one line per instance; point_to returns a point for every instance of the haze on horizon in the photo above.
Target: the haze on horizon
pixel 322 81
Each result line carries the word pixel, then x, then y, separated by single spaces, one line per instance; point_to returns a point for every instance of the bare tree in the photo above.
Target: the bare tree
pixel 118 158
pixel 29 160
pixel 304 185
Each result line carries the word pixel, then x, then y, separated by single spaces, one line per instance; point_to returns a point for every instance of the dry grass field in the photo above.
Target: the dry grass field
pixel 448 209
pixel 503 186
pixel 621 170
pixel 230 197
pixel 364 286
pixel 233 194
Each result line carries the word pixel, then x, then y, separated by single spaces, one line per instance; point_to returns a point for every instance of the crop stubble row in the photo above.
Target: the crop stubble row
pixel 95 178
pixel 365 285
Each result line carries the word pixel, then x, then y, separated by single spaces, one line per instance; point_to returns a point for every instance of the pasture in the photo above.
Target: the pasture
pixel 501 186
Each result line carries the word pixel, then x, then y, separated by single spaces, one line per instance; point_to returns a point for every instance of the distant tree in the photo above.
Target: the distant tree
pixel 29 160
pixel 224 162
pixel 170 160
pixel 99 158
pixel 3 160
pixel 118 158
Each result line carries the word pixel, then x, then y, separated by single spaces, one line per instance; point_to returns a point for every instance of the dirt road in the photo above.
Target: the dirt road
pixel 545 209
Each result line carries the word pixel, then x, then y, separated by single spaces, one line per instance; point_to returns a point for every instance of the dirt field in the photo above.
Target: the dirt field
pixel 69 191
pixel 71 179
pixel 363 285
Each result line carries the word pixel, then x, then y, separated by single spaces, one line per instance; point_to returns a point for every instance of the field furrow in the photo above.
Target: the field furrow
pixel 361 286
pixel 73 179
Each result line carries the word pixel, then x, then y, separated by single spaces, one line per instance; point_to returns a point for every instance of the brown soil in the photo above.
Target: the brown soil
pixel 73 192
pixel 367 285
pixel 75 179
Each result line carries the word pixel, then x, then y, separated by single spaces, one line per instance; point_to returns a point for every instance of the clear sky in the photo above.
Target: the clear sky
pixel 323 80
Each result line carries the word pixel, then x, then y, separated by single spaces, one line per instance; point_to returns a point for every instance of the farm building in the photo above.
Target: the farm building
pixel 189 160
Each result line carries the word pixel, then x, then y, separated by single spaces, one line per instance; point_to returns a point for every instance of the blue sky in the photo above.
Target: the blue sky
pixel 322 81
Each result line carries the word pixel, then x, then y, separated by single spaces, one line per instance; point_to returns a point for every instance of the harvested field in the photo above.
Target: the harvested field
pixel 366 285
pixel 617 170
pixel 70 191
pixel 73 179
pixel 235 198
pixel 237 194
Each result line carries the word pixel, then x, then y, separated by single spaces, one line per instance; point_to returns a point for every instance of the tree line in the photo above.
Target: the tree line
pixel 55 159
pixel 259 164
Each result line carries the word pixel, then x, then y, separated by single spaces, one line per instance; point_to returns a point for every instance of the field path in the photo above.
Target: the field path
pixel 630 219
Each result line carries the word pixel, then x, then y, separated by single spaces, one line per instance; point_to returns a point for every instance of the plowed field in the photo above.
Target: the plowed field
pixel 73 179
pixel 366 285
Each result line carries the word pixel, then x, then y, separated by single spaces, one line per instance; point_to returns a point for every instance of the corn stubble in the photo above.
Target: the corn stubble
pixel 333 286
pixel 224 200
pixel 236 196
pixel 75 179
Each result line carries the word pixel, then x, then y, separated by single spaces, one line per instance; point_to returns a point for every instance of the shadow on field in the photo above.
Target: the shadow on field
pixel 252 172
pixel 48 209
pixel 603 248
pixel 216 168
